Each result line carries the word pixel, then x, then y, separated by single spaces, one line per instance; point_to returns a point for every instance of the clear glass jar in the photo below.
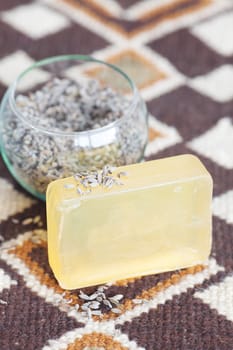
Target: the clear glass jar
pixel 36 155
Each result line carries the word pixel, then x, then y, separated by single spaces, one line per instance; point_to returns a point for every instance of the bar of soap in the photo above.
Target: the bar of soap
pixel 158 220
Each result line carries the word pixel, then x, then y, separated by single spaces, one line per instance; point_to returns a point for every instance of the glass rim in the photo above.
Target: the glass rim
pixel 61 58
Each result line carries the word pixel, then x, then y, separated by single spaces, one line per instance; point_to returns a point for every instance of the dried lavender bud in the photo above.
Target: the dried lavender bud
pixel 116 311
pixel 95 301
pixel 104 178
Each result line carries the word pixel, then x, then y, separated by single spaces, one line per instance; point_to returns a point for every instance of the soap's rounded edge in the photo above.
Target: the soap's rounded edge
pixel 49 188
pixel 67 286
pixel 198 160
pixel 52 246
pixel 54 262
pixel 63 285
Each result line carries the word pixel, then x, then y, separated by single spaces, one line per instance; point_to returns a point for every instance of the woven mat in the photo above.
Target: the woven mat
pixel 180 54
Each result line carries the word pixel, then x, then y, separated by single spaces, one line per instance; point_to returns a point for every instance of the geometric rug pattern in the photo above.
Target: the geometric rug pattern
pixel 180 55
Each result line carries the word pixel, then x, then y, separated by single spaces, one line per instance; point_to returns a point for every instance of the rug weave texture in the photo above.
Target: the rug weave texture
pixel 180 55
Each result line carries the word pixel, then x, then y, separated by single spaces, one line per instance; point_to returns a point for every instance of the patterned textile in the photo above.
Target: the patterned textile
pixel 180 54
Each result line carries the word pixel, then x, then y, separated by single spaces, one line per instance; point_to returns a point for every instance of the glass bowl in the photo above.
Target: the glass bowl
pixel 36 153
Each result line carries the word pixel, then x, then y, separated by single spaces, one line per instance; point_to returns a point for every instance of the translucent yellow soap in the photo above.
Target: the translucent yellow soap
pixel 158 220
